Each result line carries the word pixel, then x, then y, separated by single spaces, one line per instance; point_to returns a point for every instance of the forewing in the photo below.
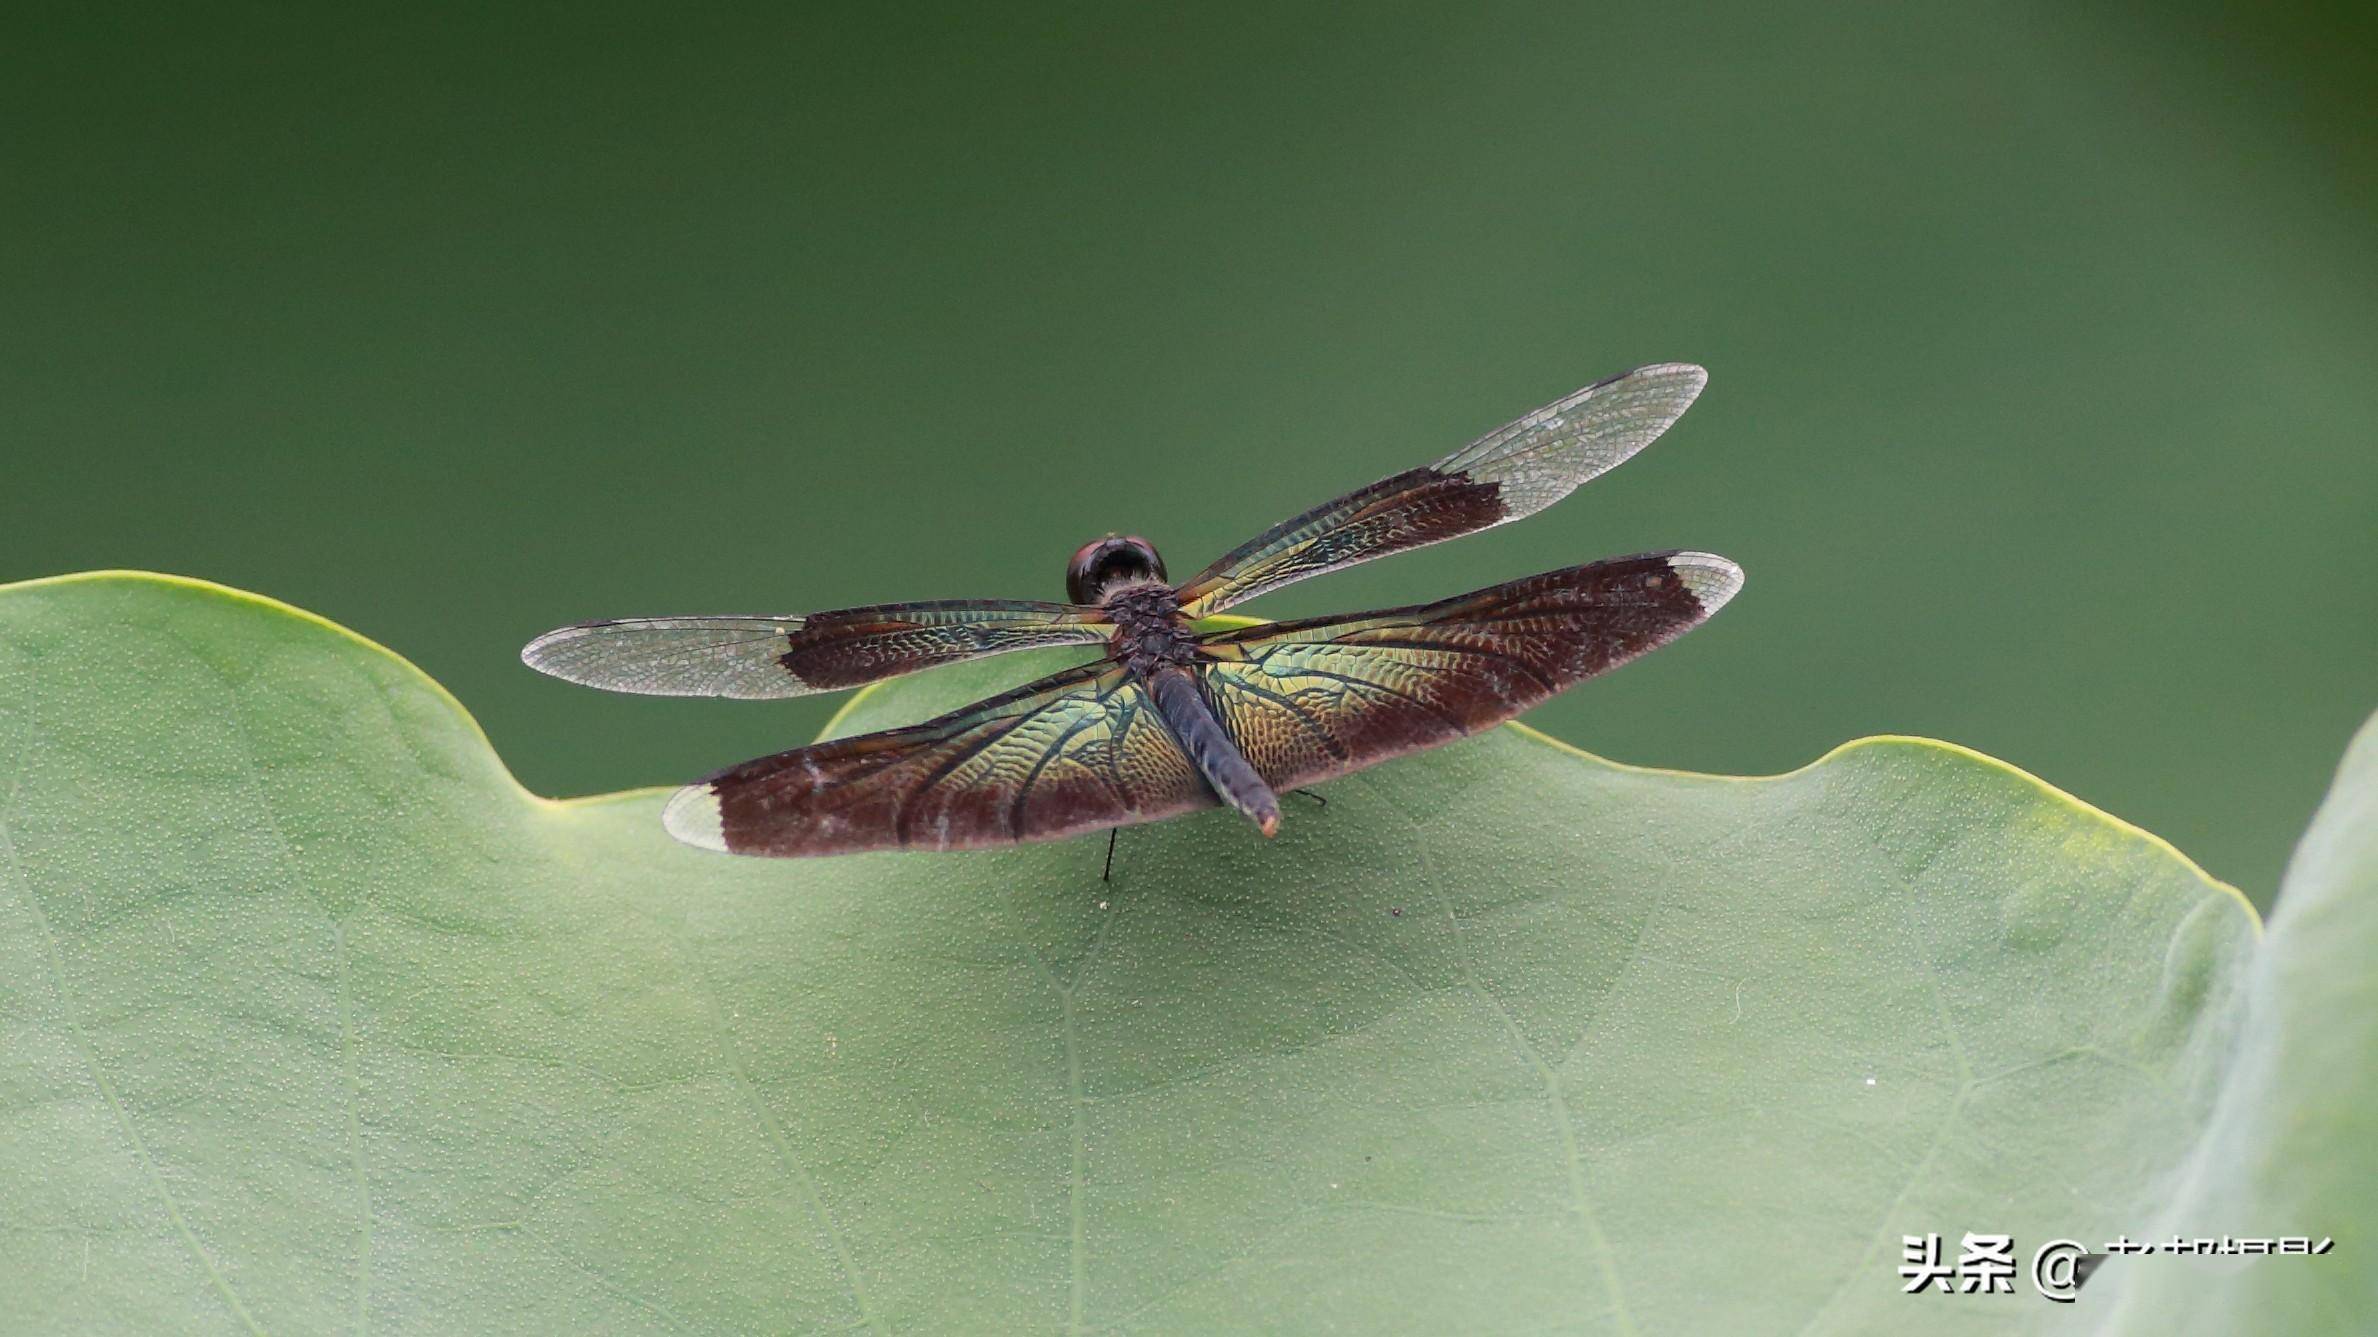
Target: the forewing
pixel 760 656
pixel 1514 471
pixel 1078 751
pixel 1311 699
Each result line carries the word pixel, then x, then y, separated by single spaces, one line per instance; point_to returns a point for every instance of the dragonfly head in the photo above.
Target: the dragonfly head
pixel 1109 561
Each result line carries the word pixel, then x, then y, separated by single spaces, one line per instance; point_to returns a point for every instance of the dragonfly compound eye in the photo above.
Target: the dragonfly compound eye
pixel 1105 561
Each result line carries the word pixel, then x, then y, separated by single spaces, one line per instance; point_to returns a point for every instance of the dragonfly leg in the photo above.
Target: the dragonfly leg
pixel 1311 795
pixel 1108 873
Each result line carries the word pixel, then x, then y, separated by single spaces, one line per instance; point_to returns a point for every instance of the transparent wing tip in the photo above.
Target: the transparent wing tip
pixel 549 653
pixel 1712 579
pixel 692 815
pixel 1664 390
pixel 730 656
pixel 1689 377
pixel 585 653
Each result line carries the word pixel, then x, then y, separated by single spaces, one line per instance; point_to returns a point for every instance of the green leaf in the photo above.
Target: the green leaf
pixel 2293 1144
pixel 315 1021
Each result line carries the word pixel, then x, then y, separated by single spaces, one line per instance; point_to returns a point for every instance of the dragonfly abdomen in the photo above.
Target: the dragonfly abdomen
pixel 1201 735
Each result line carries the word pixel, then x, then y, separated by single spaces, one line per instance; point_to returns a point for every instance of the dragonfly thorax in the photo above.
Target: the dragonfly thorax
pixel 1150 631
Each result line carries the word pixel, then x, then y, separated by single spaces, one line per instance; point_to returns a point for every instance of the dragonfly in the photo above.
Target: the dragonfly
pixel 1173 717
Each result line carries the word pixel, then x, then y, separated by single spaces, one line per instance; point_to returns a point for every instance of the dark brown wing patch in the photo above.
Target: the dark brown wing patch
pixel 1077 751
pixel 852 646
pixel 1516 470
pixel 1320 697
pixel 1413 509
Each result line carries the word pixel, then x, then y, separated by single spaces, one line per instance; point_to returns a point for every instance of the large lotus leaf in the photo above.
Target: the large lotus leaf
pixel 315 1021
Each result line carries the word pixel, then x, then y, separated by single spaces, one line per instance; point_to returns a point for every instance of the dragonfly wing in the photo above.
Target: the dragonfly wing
pixel 1514 471
pixel 760 656
pixel 1077 751
pixel 1316 698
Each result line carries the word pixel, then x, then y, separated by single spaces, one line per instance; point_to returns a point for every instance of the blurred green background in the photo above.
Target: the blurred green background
pixel 2044 341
